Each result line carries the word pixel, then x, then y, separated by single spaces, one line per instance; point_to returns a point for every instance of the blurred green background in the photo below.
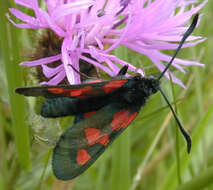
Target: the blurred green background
pixel 151 154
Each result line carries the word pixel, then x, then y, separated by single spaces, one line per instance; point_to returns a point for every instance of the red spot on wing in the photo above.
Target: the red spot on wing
pixel 78 92
pixel 122 119
pixel 86 115
pixel 71 92
pixel 104 140
pixel 94 136
pixel 75 92
pixel 56 90
pixel 113 85
pixel 82 156
pixel 94 81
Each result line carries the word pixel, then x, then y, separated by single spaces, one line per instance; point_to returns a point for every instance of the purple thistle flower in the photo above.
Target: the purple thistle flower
pixel 92 27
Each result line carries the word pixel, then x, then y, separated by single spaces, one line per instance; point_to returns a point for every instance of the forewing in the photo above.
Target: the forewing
pixel 82 91
pixel 80 145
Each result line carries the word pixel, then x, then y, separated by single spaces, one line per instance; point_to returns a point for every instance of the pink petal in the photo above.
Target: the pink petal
pixel 117 43
pixel 169 38
pixel 123 63
pixel 112 66
pixel 59 31
pixel 140 46
pixel 55 80
pixel 22 25
pixel 102 67
pixel 161 67
pixel 41 61
pixel 50 72
pixel 164 57
pixel 100 44
pixel 26 3
pixel 32 4
pixel 82 42
pixel 75 58
pixel 180 20
pixel 70 8
pixel 67 60
pixel 95 54
pixel 24 17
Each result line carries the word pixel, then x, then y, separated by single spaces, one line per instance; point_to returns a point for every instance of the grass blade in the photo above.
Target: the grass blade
pixel 201 181
pixel 10 48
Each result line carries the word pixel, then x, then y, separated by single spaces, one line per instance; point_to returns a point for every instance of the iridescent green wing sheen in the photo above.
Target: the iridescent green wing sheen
pixel 81 144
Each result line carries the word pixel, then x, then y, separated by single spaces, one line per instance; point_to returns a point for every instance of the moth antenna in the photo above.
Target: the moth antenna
pixel 185 36
pixel 123 70
pixel 80 73
pixel 183 131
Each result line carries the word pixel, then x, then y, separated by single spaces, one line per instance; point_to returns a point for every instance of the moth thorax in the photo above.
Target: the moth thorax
pixel 149 86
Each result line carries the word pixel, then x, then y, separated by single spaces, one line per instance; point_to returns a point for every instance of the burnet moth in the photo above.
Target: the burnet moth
pixel 102 110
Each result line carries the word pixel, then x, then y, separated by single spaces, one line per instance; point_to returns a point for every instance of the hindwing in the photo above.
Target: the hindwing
pixel 81 144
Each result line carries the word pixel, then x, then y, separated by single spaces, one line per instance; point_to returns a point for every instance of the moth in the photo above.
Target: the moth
pixel 102 110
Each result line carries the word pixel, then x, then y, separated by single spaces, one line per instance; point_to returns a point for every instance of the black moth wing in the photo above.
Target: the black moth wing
pixel 87 90
pixel 78 99
pixel 74 99
pixel 82 91
pixel 81 144
pixel 67 100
